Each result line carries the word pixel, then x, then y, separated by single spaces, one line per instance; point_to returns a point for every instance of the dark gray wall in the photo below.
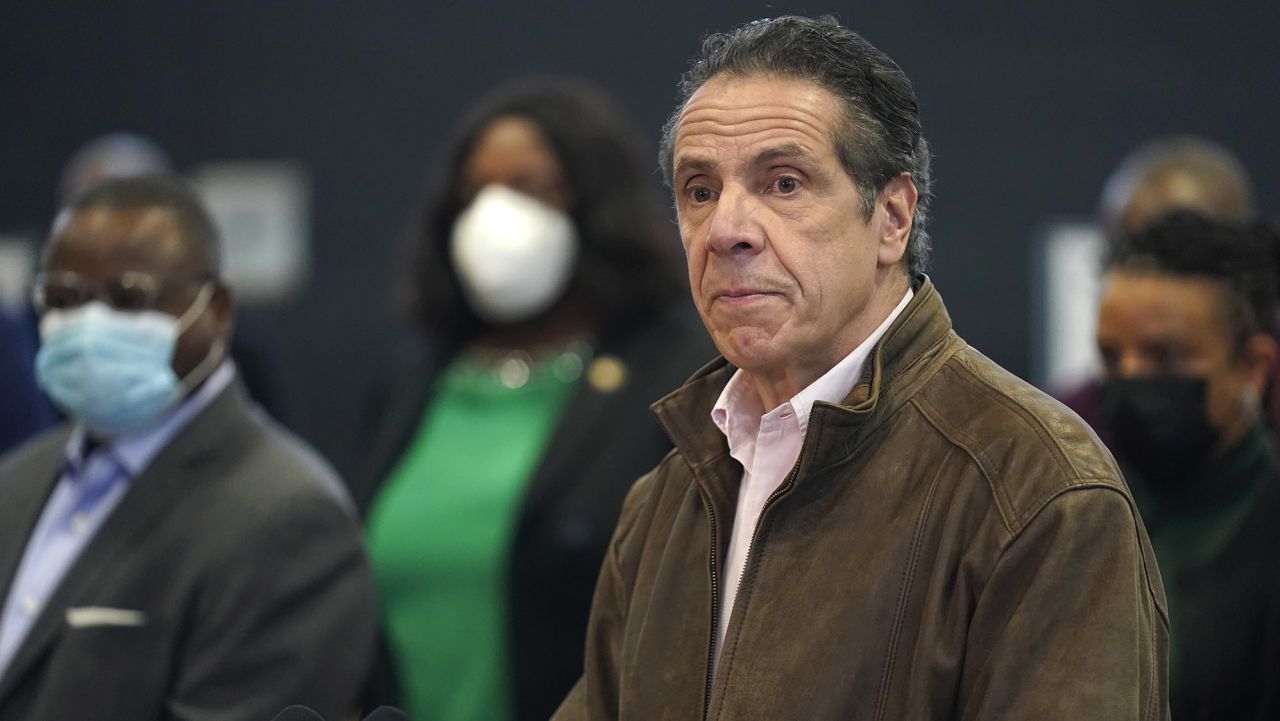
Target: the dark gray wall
pixel 1027 109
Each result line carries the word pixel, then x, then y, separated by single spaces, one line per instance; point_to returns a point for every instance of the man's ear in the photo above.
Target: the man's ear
pixel 1258 357
pixel 896 206
pixel 222 304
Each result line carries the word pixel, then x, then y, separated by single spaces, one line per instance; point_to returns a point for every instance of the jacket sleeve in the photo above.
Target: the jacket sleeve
pixel 595 695
pixel 1071 623
pixel 287 617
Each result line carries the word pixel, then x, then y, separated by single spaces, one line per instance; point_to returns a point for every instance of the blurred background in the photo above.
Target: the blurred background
pixel 333 112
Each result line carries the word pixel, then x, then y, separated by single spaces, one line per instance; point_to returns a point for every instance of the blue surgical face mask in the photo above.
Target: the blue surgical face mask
pixel 112 370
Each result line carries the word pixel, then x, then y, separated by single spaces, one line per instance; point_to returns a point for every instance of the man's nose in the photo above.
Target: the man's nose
pixel 735 227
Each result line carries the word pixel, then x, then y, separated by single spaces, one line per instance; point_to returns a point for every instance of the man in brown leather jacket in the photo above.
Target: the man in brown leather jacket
pixel 863 517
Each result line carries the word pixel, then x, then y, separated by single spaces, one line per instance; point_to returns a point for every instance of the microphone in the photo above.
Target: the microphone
pixel 298 713
pixel 385 713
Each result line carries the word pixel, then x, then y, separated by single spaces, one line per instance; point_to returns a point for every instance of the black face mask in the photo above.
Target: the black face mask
pixel 1158 426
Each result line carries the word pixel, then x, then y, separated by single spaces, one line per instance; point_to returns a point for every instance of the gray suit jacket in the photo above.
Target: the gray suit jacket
pixel 230 581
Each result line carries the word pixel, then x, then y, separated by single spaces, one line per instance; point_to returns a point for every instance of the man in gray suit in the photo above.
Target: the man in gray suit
pixel 169 553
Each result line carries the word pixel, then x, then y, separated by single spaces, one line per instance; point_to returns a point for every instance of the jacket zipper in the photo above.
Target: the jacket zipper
pixel 786 485
pixel 715 604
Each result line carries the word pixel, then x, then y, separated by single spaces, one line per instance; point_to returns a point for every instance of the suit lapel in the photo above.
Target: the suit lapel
pixel 566 448
pixel 151 495
pixel 399 416
pixel 25 491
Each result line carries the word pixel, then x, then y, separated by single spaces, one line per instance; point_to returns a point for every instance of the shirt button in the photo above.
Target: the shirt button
pixel 30 605
pixel 79 523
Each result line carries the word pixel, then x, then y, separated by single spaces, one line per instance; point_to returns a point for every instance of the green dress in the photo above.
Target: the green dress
pixel 439 533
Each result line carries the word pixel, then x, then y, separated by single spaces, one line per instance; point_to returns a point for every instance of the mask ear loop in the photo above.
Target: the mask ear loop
pixel 204 368
pixel 213 358
pixel 197 308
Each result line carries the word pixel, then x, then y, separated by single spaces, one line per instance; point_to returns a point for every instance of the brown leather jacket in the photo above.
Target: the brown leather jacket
pixel 952 544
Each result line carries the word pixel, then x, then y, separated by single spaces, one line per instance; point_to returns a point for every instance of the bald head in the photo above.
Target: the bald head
pixel 1173 173
pixel 111 156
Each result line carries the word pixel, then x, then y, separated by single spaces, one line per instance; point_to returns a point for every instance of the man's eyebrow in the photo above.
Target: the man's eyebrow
pixel 691 165
pixel 786 151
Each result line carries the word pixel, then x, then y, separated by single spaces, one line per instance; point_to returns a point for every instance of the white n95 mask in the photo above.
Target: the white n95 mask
pixel 514 255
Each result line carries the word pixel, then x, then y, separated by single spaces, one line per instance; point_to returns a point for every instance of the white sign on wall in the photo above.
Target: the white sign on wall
pixel 17 266
pixel 263 211
pixel 1066 282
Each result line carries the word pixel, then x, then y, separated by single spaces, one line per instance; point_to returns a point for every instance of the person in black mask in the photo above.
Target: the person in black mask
pixel 1183 329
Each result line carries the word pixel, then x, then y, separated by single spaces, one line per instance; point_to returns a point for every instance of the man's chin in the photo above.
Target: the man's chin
pixel 751 349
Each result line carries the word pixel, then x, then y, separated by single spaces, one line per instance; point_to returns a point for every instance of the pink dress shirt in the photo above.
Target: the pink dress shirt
pixel 768 446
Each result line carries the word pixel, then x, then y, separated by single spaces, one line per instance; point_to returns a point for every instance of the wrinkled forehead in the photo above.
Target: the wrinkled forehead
pixel 103 241
pixel 740 113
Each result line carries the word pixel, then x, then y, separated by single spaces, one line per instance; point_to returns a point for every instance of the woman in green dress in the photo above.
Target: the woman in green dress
pixel 547 283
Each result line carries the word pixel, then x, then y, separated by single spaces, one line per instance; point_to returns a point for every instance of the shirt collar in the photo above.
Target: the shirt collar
pixel 738 410
pixel 134 450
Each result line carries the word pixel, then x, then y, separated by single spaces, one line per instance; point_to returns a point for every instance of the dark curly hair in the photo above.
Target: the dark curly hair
pixel 880 136
pixel 630 258
pixel 1242 257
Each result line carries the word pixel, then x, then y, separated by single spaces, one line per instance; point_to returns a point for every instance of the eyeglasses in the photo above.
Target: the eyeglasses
pixel 131 291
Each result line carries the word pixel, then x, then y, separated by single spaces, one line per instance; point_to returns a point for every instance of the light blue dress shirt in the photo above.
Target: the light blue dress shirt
pixel 90 488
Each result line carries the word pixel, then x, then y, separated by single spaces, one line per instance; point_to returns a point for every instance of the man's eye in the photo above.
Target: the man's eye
pixel 61 297
pixel 786 185
pixel 700 195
